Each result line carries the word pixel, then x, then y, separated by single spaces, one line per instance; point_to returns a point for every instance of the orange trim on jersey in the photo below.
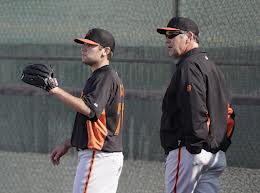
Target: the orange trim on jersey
pixel 122 91
pixel 231 122
pixel 122 115
pixel 120 112
pixel 89 171
pixel 208 123
pixel 97 132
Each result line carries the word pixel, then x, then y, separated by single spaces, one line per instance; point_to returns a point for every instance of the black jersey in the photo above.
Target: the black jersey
pixel 104 95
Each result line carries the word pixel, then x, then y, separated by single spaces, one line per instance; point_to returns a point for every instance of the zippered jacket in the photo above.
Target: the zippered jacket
pixel 194 109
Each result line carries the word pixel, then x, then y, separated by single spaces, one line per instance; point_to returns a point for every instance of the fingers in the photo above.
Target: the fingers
pixel 55 157
pixel 57 153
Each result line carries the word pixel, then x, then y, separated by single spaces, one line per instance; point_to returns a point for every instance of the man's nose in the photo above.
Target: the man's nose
pixel 84 49
pixel 167 40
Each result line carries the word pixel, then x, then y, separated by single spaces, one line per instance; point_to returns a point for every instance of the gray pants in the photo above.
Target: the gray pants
pixel 193 173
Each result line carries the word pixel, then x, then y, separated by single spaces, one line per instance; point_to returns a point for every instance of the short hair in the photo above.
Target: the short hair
pixel 195 37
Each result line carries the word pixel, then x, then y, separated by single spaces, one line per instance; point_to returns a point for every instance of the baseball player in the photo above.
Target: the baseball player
pixel 194 114
pixel 97 131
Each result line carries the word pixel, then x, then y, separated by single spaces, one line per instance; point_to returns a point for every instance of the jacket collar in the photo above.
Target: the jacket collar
pixel 190 53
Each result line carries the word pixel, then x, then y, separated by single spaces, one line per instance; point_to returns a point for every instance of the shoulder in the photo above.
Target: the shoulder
pixel 199 61
pixel 106 75
pixel 102 73
pixel 190 65
pixel 112 74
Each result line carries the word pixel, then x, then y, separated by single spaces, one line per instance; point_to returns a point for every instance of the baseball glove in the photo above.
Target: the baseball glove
pixel 39 75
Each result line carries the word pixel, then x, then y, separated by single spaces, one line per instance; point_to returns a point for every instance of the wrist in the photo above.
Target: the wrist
pixel 54 90
pixel 67 144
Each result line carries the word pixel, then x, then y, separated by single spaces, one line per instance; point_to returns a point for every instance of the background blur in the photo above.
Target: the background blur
pixel 33 123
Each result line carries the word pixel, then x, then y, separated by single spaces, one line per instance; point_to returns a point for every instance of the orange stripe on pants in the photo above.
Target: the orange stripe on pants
pixel 89 171
pixel 177 170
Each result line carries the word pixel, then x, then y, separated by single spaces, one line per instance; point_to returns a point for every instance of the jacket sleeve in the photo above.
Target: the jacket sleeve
pixel 193 90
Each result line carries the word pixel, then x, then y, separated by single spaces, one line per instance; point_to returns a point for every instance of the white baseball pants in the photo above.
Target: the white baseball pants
pixel 98 172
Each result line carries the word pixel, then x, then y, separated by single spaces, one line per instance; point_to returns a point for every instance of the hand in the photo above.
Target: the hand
pixel 58 152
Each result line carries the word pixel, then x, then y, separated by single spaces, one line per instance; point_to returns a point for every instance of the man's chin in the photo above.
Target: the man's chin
pixel 89 63
pixel 172 54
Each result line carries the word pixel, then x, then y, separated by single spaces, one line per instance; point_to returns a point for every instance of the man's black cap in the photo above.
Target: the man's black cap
pixel 97 36
pixel 180 23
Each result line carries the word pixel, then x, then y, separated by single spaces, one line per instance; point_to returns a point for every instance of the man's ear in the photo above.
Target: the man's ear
pixel 107 50
pixel 190 35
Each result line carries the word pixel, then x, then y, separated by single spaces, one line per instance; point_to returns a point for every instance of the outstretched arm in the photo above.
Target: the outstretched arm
pixel 72 101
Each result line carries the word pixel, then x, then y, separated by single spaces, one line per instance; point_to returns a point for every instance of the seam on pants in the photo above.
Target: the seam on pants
pixel 89 171
pixel 177 170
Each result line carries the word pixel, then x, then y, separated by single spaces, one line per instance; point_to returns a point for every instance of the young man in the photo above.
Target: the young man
pixel 194 114
pixel 97 133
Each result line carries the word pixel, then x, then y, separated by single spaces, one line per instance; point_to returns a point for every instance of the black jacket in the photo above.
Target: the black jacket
pixel 197 93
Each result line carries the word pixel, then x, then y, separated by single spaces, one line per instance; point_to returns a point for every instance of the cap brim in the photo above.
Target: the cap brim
pixel 164 29
pixel 85 41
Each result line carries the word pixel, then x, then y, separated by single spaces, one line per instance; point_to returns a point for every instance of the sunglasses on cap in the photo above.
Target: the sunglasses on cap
pixel 173 34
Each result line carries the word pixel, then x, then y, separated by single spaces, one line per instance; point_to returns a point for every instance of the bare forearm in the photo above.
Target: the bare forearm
pixel 67 144
pixel 72 101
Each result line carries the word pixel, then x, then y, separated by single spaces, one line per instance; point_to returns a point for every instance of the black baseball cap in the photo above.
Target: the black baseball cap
pixel 97 36
pixel 180 23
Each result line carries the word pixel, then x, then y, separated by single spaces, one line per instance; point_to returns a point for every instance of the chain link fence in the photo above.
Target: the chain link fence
pixel 33 123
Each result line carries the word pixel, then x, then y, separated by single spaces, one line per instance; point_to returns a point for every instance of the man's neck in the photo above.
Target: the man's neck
pixel 188 48
pixel 191 46
pixel 99 65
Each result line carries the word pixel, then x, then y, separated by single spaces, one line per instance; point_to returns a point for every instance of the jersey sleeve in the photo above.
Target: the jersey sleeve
pixel 97 95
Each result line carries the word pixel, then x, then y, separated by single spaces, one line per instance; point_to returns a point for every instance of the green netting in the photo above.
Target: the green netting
pixel 45 22
pixel 233 23
pixel 43 32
